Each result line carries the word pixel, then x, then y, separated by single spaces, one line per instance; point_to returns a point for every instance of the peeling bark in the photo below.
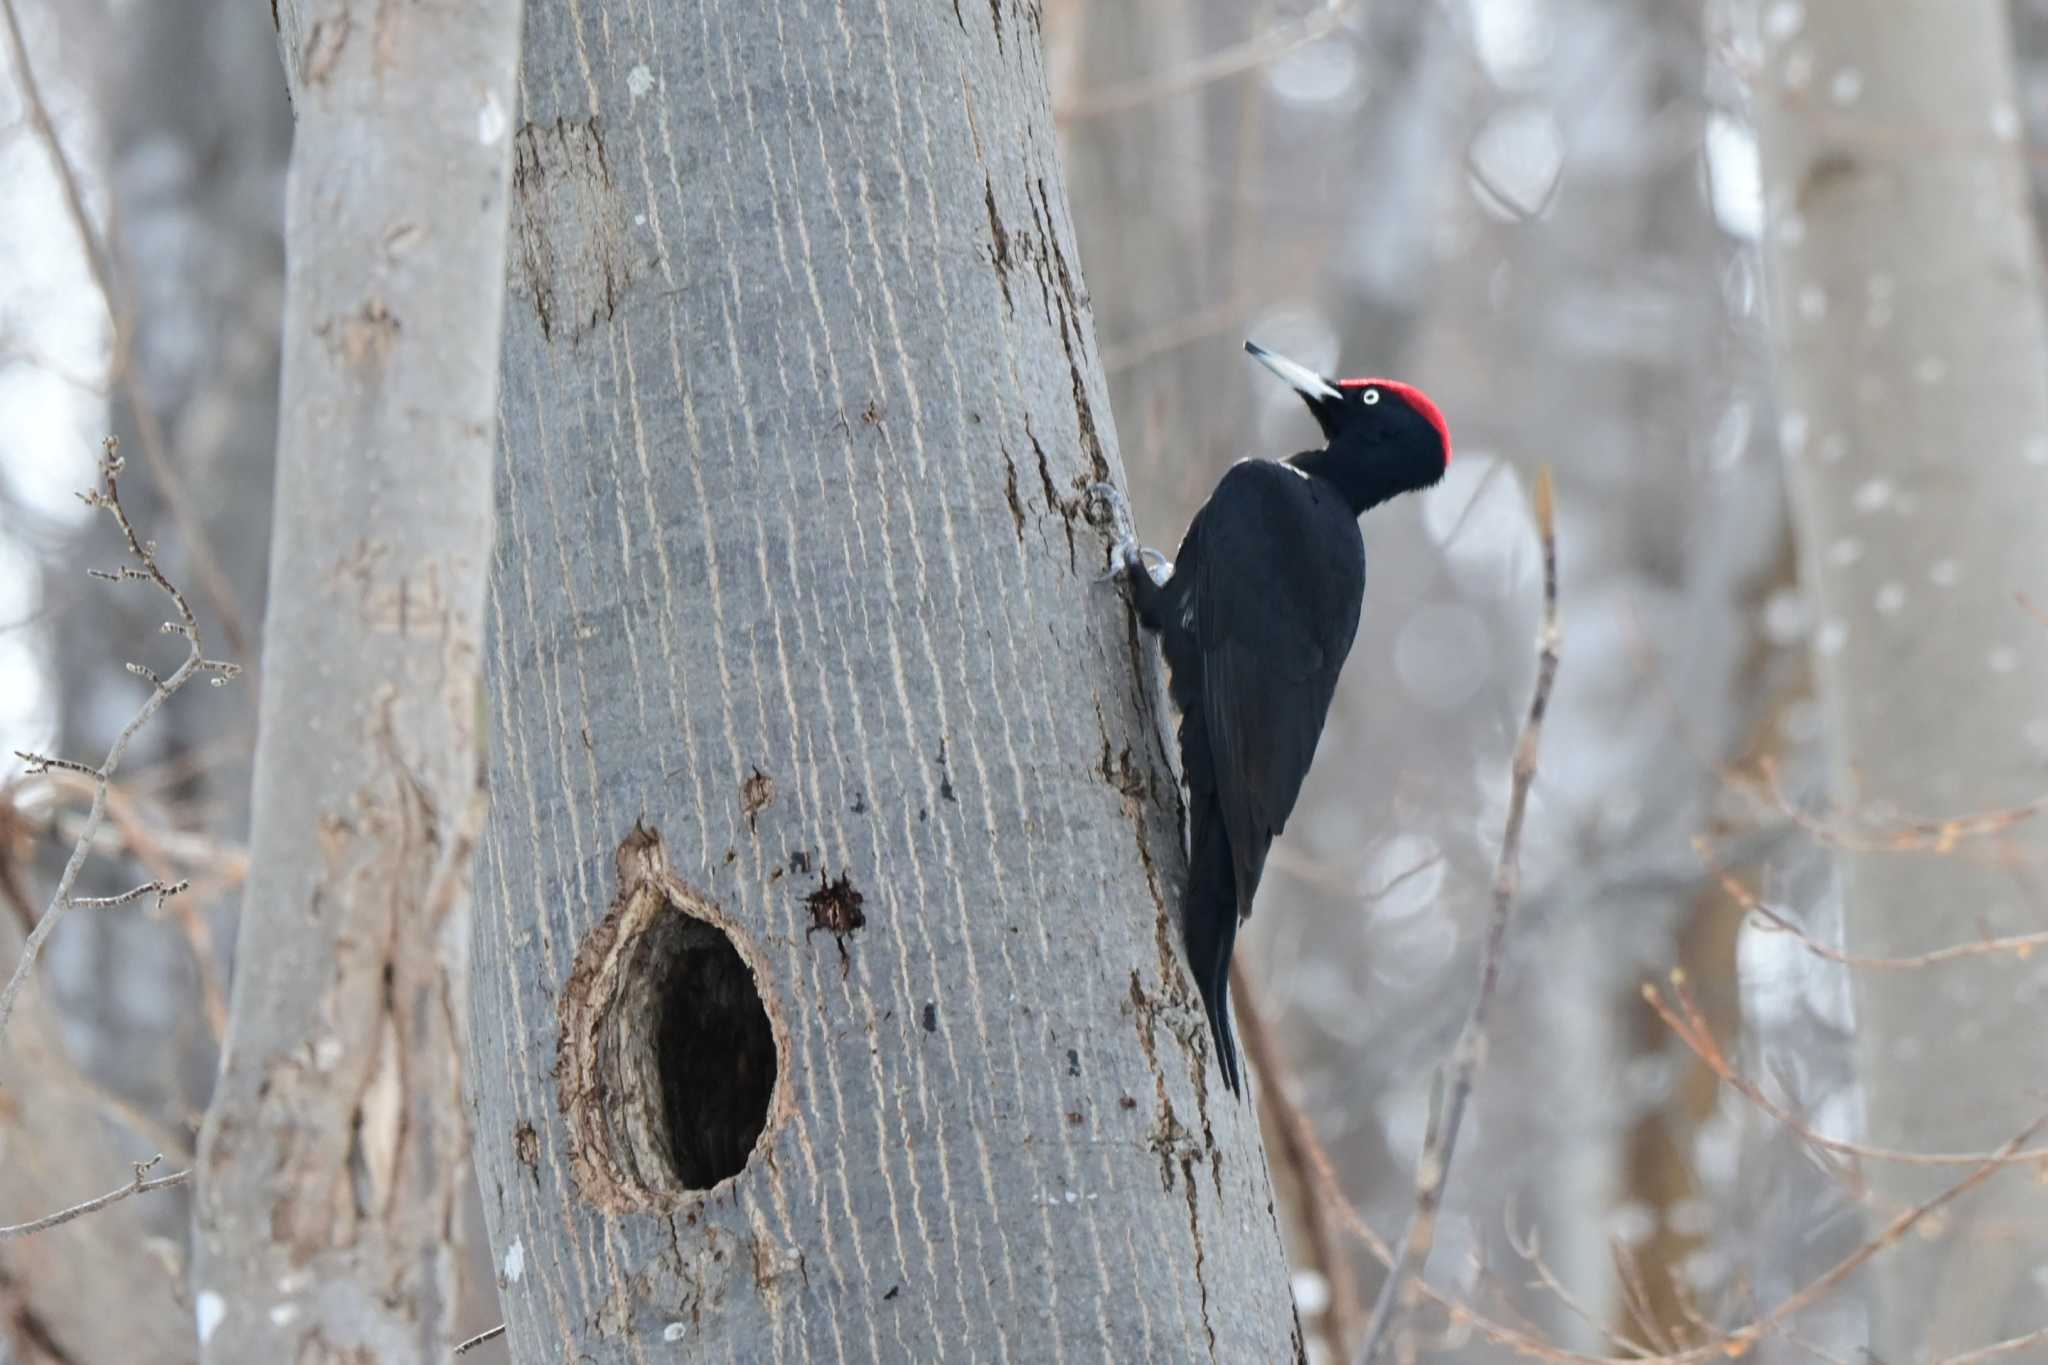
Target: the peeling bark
pixel 774 585
pixel 334 1156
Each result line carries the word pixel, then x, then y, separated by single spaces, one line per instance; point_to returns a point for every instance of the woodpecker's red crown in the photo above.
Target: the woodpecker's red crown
pixel 1414 398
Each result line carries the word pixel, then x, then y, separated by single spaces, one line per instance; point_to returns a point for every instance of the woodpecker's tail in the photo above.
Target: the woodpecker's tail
pixel 1209 928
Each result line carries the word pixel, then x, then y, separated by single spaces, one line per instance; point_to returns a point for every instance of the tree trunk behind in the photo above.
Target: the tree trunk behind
pixel 828 996
pixel 1906 298
pixel 333 1158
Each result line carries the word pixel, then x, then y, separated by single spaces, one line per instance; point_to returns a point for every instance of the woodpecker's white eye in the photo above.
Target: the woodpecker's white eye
pixel 1369 397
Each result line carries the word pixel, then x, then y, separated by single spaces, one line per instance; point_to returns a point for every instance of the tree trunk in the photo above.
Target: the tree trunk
pixel 333 1158
pixel 1906 305
pixel 828 999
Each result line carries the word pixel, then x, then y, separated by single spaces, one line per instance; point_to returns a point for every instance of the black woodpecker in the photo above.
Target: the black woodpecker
pixel 1255 615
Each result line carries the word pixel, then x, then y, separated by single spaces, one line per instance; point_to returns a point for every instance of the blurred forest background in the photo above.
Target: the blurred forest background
pixel 1550 214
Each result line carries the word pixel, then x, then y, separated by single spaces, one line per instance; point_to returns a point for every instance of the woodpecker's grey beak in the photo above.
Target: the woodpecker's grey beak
pixel 1304 381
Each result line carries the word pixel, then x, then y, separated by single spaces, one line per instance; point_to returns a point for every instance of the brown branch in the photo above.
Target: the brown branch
pixel 1998 1348
pixel 1893 1232
pixel 107 496
pixel 1529 1246
pixel 1726 1346
pixel 1684 1019
pixel 2020 945
pixel 212 578
pixel 1937 836
pixel 1289 1127
pixel 158 850
pixel 1404 1280
pixel 139 1185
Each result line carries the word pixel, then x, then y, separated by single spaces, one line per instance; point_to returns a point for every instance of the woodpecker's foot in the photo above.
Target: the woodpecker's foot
pixel 1127 554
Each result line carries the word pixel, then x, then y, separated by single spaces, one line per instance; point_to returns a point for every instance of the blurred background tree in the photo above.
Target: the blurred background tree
pixel 1552 214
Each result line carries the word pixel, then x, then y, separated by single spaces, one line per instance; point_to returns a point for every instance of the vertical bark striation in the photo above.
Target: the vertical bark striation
pixel 801 402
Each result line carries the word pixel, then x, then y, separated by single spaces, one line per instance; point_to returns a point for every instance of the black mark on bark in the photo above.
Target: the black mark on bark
pixel 836 908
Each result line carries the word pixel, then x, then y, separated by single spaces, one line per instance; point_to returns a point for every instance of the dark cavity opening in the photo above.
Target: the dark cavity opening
pixel 714 1052
pixel 685 1064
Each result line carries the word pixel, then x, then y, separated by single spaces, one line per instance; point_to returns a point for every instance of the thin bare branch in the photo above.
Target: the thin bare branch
pixel 141 1184
pixel 1403 1282
pixel 2019 945
pixel 162 890
pixel 488 1334
pixel 107 496
pixel 1682 1015
pixel 1998 1348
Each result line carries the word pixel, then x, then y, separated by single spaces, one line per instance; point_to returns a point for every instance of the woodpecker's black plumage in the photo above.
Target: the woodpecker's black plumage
pixel 1255 617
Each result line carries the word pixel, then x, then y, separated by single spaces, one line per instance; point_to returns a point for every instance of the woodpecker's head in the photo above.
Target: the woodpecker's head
pixel 1389 437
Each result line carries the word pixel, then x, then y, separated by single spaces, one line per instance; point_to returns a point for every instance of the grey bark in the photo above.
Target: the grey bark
pixel 334 1156
pixel 802 394
pixel 1914 380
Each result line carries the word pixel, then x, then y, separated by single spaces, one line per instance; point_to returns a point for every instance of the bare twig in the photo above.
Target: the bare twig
pixel 1325 1250
pixel 488 1334
pixel 122 315
pixel 1936 836
pixel 162 891
pixel 107 495
pixel 1437 1149
pixel 1998 1348
pixel 169 855
pixel 1724 1346
pixel 2019 945
pixel 141 1184
pixel 1892 1233
pixel 1682 1015
pixel 1225 62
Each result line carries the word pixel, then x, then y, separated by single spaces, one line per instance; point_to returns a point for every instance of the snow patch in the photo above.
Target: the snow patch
pixel 207 1311
pixel 490 120
pixel 1311 1292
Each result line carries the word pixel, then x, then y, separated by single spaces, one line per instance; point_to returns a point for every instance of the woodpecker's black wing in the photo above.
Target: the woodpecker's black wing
pixel 1278 584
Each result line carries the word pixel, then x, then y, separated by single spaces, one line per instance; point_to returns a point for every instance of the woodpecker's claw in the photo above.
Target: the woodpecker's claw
pixel 1127 554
